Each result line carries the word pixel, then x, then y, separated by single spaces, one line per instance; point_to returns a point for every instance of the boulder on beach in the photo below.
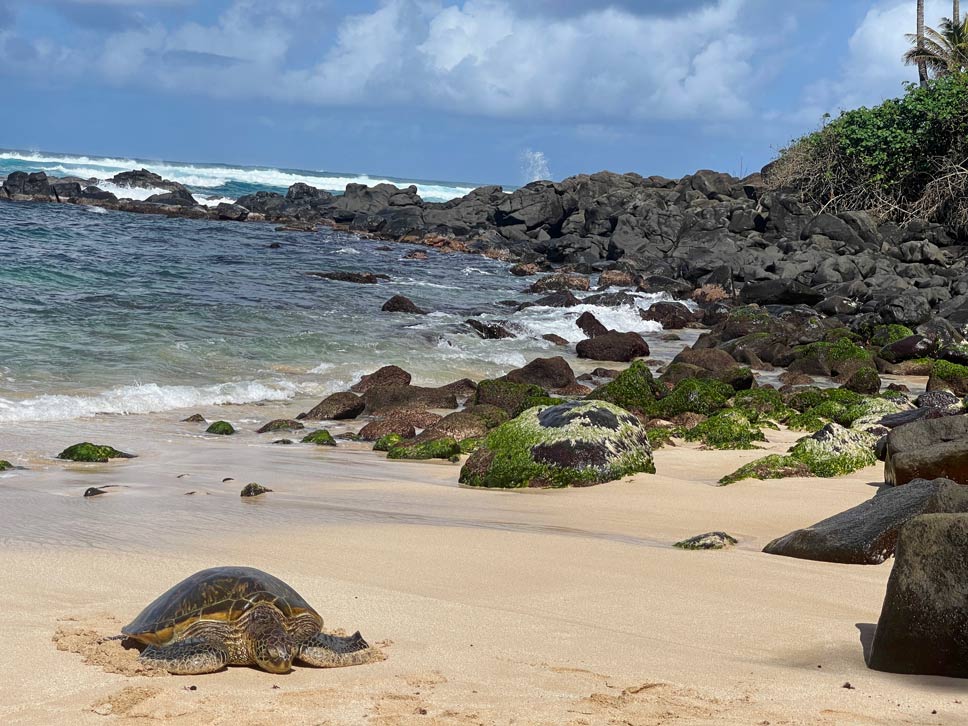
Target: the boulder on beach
pixel 707 541
pixel 930 448
pixel 489 331
pixel 548 373
pixel 281 424
pixel 670 315
pixel 923 626
pixel 220 428
pixel 320 438
pixel 560 281
pixel 385 376
pixel 867 534
pixel 612 346
pixel 253 489
pixel 336 407
pixel 376 430
pixel 579 443
pixel 513 398
pixel 382 398
pixel 591 326
pixel 634 389
pixel 87 451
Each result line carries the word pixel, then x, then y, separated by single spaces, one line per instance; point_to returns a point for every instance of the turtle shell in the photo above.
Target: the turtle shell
pixel 218 593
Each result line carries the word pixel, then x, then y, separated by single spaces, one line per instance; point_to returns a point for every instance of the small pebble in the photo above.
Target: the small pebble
pixel 848 686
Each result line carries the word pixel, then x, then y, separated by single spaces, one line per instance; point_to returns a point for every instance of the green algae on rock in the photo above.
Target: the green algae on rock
pixel 694 396
pixel 221 428
pixel 831 451
pixel 513 398
pixel 762 404
pixel 253 490
pixel 707 541
pixel 634 389
pixel 578 443
pixel 320 438
pixel 726 430
pixel 5 465
pixel 442 448
pixel 947 376
pixel 659 437
pixel 387 442
pixel 87 451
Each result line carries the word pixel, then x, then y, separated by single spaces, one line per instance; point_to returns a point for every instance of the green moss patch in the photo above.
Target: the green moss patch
pixel 5 465
pixel 443 448
pixel 320 438
pixel 221 428
pixel 573 444
pixel 695 396
pixel 87 451
pixel 634 389
pixel 513 398
pixel 726 430
pixel 385 443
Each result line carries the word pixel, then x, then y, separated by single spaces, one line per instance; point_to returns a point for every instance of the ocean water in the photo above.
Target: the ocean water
pixel 114 313
pixel 210 183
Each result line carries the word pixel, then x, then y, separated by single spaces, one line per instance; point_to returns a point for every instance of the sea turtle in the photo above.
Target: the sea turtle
pixel 238 616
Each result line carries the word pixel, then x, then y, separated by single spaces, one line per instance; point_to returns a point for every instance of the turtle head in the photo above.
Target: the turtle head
pixel 272 646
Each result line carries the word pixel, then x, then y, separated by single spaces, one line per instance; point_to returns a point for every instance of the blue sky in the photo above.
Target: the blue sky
pixel 471 90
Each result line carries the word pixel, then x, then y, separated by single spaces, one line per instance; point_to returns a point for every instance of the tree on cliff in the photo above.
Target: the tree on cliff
pixel 942 51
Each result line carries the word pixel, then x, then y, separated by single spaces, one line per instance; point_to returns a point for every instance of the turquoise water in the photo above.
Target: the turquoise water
pixel 108 312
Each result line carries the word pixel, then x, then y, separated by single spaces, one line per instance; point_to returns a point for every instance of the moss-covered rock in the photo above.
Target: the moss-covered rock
pixel 492 416
pixel 5 465
pixel 469 446
pixel 572 444
pixel 659 437
pixel 762 404
pixel 442 448
pixel 831 451
pixel 883 335
pixel 253 490
pixel 707 541
pixel 87 451
pixel 385 443
pixel 835 451
pixel 864 381
pixel 695 396
pixel 947 376
pixel 634 389
pixel 842 358
pixel 281 424
pixel 726 430
pixel 806 421
pixel 774 466
pixel 513 398
pixel 320 438
pixel 221 428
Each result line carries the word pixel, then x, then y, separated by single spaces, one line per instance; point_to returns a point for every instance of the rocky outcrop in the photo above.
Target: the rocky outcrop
pixel 385 376
pixel 612 346
pixel 548 373
pixel 401 304
pixel 928 449
pixel 337 407
pixel 867 534
pixel 922 627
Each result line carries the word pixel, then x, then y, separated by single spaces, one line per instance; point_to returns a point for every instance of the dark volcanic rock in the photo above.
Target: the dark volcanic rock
pixel 590 325
pixel 867 534
pixel 779 292
pixel 670 315
pixel 489 331
pixel 923 627
pixel 928 449
pixel 337 407
pixel 359 278
pixel 281 424
pixel 623 347
pixel 560 281
pixel 385 376
pixel 381 398
pixel 549 373
pixel 177 198
pixel 386 426
pixel 401 304
pixel 231 212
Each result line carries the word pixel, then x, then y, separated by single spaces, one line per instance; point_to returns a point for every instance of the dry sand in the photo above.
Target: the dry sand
pixel 554 607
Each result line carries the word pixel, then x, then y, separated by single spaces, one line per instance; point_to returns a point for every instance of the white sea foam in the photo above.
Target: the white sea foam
pixel 540 320
pixel 145 398
pixel 131 192
pixel 210 176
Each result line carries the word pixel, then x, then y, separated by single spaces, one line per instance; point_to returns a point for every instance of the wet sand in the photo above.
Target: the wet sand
pixel 538 607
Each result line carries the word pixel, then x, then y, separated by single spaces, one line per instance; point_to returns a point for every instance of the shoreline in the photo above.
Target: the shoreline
pixel 496 603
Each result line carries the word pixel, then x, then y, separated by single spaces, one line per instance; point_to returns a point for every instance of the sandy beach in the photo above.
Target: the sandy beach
pixel 492 607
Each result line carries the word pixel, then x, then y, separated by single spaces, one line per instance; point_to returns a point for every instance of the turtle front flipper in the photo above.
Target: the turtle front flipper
pixel 333 651
pixel 190 657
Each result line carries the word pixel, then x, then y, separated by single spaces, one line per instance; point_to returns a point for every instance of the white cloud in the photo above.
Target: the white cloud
pixel 480 57
pixel 874 68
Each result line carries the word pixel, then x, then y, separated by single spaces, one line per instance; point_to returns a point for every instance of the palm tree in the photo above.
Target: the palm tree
pixel 956 10
pixel 922 64
pixel 943 51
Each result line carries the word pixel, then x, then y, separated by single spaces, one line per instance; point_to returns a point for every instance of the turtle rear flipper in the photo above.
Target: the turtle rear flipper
pixel 187 657
pixel 333 651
